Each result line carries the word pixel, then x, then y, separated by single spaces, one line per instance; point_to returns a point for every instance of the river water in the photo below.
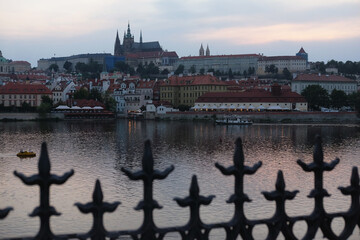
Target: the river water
pixel 98 150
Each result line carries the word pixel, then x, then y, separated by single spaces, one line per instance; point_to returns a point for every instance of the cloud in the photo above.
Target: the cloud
pixel 66 18
pixel 310 31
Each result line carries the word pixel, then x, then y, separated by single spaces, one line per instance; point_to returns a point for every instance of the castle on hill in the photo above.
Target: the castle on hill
pixel 130 46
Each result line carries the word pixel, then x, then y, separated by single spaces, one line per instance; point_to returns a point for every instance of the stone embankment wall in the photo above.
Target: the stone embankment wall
pixel 267 117
pixel 28 116
pixel 256 117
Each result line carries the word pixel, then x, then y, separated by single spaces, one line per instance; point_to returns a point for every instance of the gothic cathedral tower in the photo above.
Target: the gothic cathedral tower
pixel 117 48
pixel 201 51
pixel 128 40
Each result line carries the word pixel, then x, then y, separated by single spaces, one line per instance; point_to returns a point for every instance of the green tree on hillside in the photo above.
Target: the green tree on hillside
pixel 338 99
pixel 316 96
pixel 54 67
pixel 179 70
pixel 67 66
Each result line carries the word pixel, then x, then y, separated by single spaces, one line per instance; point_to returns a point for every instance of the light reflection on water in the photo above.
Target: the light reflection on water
pixel 98 150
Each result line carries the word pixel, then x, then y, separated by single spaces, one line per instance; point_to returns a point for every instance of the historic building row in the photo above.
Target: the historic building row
pixel 252 100
pixel 328 82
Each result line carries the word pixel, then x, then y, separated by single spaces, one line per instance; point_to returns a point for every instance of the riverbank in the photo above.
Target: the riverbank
pixel 265 117
pixel 256 117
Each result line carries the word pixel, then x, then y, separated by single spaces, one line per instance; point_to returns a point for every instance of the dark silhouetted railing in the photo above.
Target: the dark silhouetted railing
pixel 238 227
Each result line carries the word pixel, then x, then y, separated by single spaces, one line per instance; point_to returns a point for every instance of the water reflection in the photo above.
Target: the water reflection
pixel 98 150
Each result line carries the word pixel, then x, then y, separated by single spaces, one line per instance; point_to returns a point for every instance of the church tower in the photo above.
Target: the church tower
pixel 117 48
pixel 201 51
pixel 128 40
pixel 207 50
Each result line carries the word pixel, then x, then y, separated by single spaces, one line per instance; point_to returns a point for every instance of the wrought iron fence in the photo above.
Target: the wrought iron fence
pixel 238 227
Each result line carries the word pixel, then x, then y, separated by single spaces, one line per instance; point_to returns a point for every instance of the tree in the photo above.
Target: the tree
pixel 165 71
pixel 338 98
pixel 316 96
pixel 95 95
pixel 26 107
pixel 126 68
pixel 46 99
pixel 89 70
pixel 179 70
pixel 192 69
pixel 202 71
pixel 183 108
pixel 46 105
pixel 44 108
pixel 354 101
pixel 110 102
pixel 67 66
pixel 143 108
pixel 287 74
pixel 251 70
pixel 82 93
pixel 54 67
pixel 230 74
pixel 320 66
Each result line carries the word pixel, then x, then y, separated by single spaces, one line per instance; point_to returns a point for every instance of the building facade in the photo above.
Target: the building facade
pixel 252 100
pixel 15 94
pixel 222 63
pixel 292 63
pixel 44 64
pixel 328 82
pixel 8 66
pixel 130 46
pixel 185 90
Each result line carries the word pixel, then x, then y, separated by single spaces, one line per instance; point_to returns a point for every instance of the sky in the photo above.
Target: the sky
pixel 326 29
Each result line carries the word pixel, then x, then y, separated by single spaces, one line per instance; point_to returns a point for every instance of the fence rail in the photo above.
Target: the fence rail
pixel 238 226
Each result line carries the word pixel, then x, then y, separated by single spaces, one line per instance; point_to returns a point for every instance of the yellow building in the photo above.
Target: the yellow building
pixel 184 90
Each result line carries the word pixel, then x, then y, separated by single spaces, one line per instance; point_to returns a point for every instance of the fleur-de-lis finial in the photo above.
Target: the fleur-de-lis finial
pixel 44 179
pixel 97 208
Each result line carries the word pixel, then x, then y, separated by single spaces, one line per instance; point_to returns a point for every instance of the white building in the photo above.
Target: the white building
pixel 328 82
pixel 62 90
pixel 292 63
pixel 157 107
pixel 128 98
pixel 252 100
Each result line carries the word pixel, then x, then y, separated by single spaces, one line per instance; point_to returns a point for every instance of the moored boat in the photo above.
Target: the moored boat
pixel 24 154
pixel 233 121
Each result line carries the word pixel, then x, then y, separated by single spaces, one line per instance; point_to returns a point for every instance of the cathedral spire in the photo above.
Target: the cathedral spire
pixel 201 51
pixel 141 36
pixel 128 31
pixel 117 47
pixel 207 50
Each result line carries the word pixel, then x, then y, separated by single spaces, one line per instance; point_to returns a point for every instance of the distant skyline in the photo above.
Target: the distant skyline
pixel 326 29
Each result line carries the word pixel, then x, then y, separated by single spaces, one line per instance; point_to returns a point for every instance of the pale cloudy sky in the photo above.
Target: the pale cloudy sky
pixel 327 29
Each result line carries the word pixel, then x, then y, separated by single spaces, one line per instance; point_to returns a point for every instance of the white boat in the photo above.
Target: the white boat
pixel 233 121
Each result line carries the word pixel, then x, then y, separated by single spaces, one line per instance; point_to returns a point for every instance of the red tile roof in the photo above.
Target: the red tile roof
pixel 301 50
pixel 222 56
pixel 19 62
pixel 20 88
pixel 322 78
pixel 155 54
pixel 146 84
pixel 254 95
pixel 170 54
pixel 278 58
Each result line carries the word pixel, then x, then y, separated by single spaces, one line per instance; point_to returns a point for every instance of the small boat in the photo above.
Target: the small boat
pixel 24 154
pixel 233 121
